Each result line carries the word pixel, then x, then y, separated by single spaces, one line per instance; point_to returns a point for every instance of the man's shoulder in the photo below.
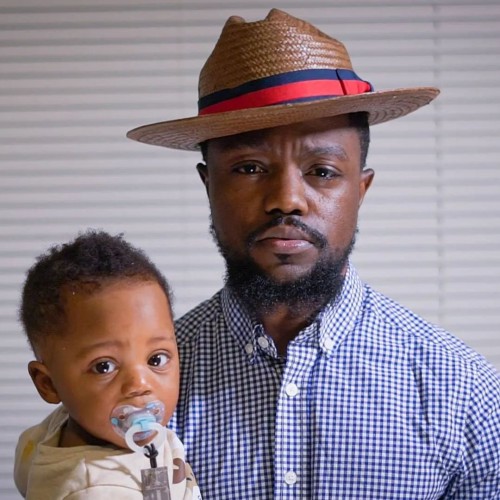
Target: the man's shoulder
pixel 425 339
pixel 190 323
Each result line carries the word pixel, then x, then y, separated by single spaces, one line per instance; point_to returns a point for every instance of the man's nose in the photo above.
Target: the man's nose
pixel 286 192
pixel 135 382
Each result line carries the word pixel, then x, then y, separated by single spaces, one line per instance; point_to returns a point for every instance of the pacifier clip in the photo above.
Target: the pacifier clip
pixel 129 421
pixel 155 479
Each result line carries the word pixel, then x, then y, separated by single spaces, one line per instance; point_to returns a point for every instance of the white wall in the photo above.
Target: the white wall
pixel 75 75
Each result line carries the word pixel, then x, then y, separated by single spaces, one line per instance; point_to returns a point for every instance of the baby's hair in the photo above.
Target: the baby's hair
pixel 93 260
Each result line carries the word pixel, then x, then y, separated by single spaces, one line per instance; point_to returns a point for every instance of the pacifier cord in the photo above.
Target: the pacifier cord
pixel 151 453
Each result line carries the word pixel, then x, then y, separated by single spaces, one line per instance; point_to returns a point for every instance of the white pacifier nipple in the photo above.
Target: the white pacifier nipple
pixel 140 424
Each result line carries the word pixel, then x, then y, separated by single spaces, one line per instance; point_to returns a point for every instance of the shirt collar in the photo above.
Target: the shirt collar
pixel 338 318
pixel 329 329
pixel 240 324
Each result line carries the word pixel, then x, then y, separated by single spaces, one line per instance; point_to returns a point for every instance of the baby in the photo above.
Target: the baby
pixel 97 314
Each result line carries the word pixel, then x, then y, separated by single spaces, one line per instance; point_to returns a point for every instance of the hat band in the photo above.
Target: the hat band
pixel 295 86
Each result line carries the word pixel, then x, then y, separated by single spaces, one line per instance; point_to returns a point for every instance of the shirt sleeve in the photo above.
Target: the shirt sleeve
pixel 105 493
pixel 479 478
pixel 184 484
pixel 192 489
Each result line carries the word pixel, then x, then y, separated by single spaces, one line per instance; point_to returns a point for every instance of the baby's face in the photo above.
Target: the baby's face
pixel 118 348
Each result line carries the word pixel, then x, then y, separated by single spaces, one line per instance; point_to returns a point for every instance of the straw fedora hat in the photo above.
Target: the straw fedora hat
pixel 274 72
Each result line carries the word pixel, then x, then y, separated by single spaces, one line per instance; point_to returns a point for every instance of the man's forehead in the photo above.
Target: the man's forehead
pixel 254 138
pixel 259 138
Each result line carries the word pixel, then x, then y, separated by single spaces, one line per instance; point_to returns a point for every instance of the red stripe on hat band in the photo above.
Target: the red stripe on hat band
pixel 289 93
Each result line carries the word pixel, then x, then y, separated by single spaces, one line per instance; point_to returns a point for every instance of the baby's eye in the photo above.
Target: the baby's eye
pixel 159 359
pixel 106 366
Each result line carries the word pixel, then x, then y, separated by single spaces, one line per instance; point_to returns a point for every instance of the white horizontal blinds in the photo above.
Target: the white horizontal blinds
pixel 469 153
pixel 432 219
pixel 76 75
pixel 74 78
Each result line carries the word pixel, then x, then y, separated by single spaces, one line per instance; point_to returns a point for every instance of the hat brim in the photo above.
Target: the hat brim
pixel 188 133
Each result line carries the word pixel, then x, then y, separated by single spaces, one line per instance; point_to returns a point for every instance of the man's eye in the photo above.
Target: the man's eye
pixel 159 359
pixel 104 367
pixel 249 168
pixel 325 172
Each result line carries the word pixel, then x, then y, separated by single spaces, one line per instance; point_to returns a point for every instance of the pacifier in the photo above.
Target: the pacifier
pixel 139 424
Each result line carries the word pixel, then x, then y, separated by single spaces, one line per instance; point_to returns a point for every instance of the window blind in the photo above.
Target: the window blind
pixel 76 75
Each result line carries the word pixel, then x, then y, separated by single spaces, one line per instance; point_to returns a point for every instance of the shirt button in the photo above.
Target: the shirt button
pixel 290 477
pixel 328 344
pixel 249 348
pixel 263 342
pixel 291 389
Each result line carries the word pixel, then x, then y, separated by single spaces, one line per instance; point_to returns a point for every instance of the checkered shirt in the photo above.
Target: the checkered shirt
pixel 371 402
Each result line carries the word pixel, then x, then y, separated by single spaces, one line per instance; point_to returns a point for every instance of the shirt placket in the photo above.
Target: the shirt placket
pixel 292 433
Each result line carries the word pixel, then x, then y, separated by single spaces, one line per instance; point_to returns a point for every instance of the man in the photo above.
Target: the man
pixel 298 380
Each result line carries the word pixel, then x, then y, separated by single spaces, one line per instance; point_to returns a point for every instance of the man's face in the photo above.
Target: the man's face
pixel 285 200
pixel 118 347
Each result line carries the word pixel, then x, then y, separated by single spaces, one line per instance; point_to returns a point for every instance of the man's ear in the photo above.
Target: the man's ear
pixel 203 173
pixel 365 182
pixel 40 375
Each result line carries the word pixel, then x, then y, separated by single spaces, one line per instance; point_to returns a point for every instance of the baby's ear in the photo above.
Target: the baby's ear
pixel 43 382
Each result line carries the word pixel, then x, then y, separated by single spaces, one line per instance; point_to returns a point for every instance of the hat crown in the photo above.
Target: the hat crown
pixel 275 72
pixel 248 51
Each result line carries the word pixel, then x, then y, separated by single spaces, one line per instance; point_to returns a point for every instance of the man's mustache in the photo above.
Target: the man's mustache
pixel 315 237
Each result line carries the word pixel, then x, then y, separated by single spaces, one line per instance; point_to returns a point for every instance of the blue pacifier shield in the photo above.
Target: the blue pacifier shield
pixel 140 424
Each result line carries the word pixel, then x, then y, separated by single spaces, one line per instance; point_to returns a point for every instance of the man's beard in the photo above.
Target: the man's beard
pixel 262 294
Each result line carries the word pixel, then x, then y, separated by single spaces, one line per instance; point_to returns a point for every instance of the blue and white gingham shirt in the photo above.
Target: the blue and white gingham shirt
pixel 371 402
